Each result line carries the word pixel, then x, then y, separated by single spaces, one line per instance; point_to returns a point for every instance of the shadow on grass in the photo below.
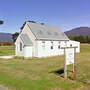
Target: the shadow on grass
pixel 59 72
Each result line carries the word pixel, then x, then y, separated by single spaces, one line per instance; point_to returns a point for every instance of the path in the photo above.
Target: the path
pixel 6 57
pixel 3 88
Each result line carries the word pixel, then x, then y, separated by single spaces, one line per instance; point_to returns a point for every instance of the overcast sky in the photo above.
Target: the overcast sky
pixel 65 14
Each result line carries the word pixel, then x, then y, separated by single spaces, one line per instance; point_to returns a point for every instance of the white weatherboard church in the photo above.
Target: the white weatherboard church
pixel 37 40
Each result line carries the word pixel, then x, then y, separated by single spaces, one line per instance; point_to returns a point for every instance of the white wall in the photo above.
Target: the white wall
pixel 17 48
pixel 26 30
pixel 27 51
pixel 38 50
pixel 74 44
pixel 44 49
pixel 47 51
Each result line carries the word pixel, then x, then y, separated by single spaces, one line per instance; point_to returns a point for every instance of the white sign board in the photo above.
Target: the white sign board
pixel 69 56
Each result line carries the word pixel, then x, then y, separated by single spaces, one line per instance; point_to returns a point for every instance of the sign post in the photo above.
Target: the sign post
pixel 74 65
pixel 65 66
pixel 69 58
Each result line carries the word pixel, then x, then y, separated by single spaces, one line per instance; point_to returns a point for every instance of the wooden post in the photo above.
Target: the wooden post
pixel 74 68
pixel 74 60
pixel 74 64
pixel 65 66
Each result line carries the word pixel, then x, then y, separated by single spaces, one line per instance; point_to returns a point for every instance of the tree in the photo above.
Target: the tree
pixel 81 39
pixel 1 22
pixel 31 21
pixel 14 36
pixel 25 23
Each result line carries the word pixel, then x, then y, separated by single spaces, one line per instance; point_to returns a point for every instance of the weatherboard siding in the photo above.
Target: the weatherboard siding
pixel 26 30
pixel 41 49
pixel 74 44
pixel 17 46
pixel 44 51
pixel 28 51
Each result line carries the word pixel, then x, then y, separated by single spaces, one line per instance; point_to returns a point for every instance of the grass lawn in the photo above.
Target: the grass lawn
pixel 6 50
pixel 43 74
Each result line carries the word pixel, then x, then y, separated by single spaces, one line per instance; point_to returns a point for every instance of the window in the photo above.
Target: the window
pixel 65 41
pixel 43 41
pixel 70 45
pixel 59 47
pixel 59 42
pixel 51 44
pixel 43 44
pixel 51 47
pixel 20 46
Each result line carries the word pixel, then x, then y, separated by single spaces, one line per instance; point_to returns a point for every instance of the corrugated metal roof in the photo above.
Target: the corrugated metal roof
pixel 26 40
pixel 46 32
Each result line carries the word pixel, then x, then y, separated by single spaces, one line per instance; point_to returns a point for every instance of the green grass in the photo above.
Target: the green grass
pixel 6 50
pixel 40 74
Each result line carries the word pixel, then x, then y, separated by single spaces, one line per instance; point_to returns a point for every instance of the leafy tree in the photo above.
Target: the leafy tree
pixel 14 36
pixel 1 22
pixel 31 21
pixel 82 39
pixel 25 23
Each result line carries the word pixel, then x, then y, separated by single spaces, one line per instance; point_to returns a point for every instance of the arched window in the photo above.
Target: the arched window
pixel 20 46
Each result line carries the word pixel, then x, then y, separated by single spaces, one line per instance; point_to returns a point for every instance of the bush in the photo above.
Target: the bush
pixel 6 43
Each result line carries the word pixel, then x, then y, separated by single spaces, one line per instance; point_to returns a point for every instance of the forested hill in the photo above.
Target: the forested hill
pixel 6 37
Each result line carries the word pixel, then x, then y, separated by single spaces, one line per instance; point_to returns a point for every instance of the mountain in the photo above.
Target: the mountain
pixel 84 31
pixel 6 37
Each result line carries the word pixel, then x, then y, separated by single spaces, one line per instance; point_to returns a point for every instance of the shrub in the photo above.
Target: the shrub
pixel 6 43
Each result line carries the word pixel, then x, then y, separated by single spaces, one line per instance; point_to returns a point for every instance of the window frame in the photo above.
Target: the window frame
pixel 59 46
pixel 21 47
pixel 43 44
pixel 51 45
pixel 70 45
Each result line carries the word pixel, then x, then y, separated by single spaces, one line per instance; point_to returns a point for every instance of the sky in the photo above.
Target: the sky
pixel 65 14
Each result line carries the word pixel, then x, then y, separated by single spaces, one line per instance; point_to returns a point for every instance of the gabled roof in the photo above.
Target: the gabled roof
pixel 26 40
pixel 43 32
